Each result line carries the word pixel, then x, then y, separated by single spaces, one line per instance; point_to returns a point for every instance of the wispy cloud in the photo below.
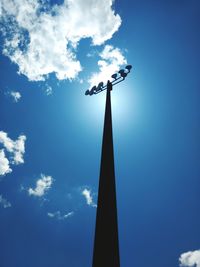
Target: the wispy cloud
pixel 57 215
pixel 111 60
pixel 15 95
pixel 88 196
pixel 48 90
pixel 190 258
pixel 43 184
pixel 4 202
pixel 43 39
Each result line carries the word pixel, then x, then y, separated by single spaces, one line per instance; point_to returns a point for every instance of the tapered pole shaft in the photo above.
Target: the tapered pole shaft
pixel 106 243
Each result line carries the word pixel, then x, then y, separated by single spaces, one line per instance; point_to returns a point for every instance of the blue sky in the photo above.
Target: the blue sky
pixel 50 132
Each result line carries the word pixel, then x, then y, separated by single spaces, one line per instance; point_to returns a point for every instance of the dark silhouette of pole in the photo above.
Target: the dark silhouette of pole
pixel 106 242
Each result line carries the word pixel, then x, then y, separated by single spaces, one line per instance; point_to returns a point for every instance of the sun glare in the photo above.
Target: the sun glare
pixel 123 103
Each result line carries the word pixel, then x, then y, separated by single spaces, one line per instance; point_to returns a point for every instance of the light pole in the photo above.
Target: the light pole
pixel 106 242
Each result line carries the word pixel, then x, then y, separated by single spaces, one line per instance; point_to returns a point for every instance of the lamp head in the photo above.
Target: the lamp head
pixel 100 85
pixel 123 74
pixel 128 67
pixel 114 76
pixel 93 90
pixel 87 92
pixel 121 71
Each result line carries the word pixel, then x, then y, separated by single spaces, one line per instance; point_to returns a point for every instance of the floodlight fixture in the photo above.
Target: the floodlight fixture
pixel 114 76
pixel 128 67
pixel 123 74
pixel 93 90
pixel 121 71
pixel 87 92
pixel 100 86
pixel 117 79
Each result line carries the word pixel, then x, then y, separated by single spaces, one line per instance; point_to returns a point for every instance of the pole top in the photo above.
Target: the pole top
pixel 117 78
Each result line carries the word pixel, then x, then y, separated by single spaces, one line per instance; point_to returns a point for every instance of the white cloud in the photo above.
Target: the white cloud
pixel 190 258
pixel 42 39
pixel 4 164
pixel 111 61
pixel 88 196
pixel 4 202
pixel 59 216
pixel 15 95
pixel 43 184
pixel 15 148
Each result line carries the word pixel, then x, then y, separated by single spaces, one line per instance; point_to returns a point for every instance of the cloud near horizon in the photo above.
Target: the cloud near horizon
pixel 42 39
